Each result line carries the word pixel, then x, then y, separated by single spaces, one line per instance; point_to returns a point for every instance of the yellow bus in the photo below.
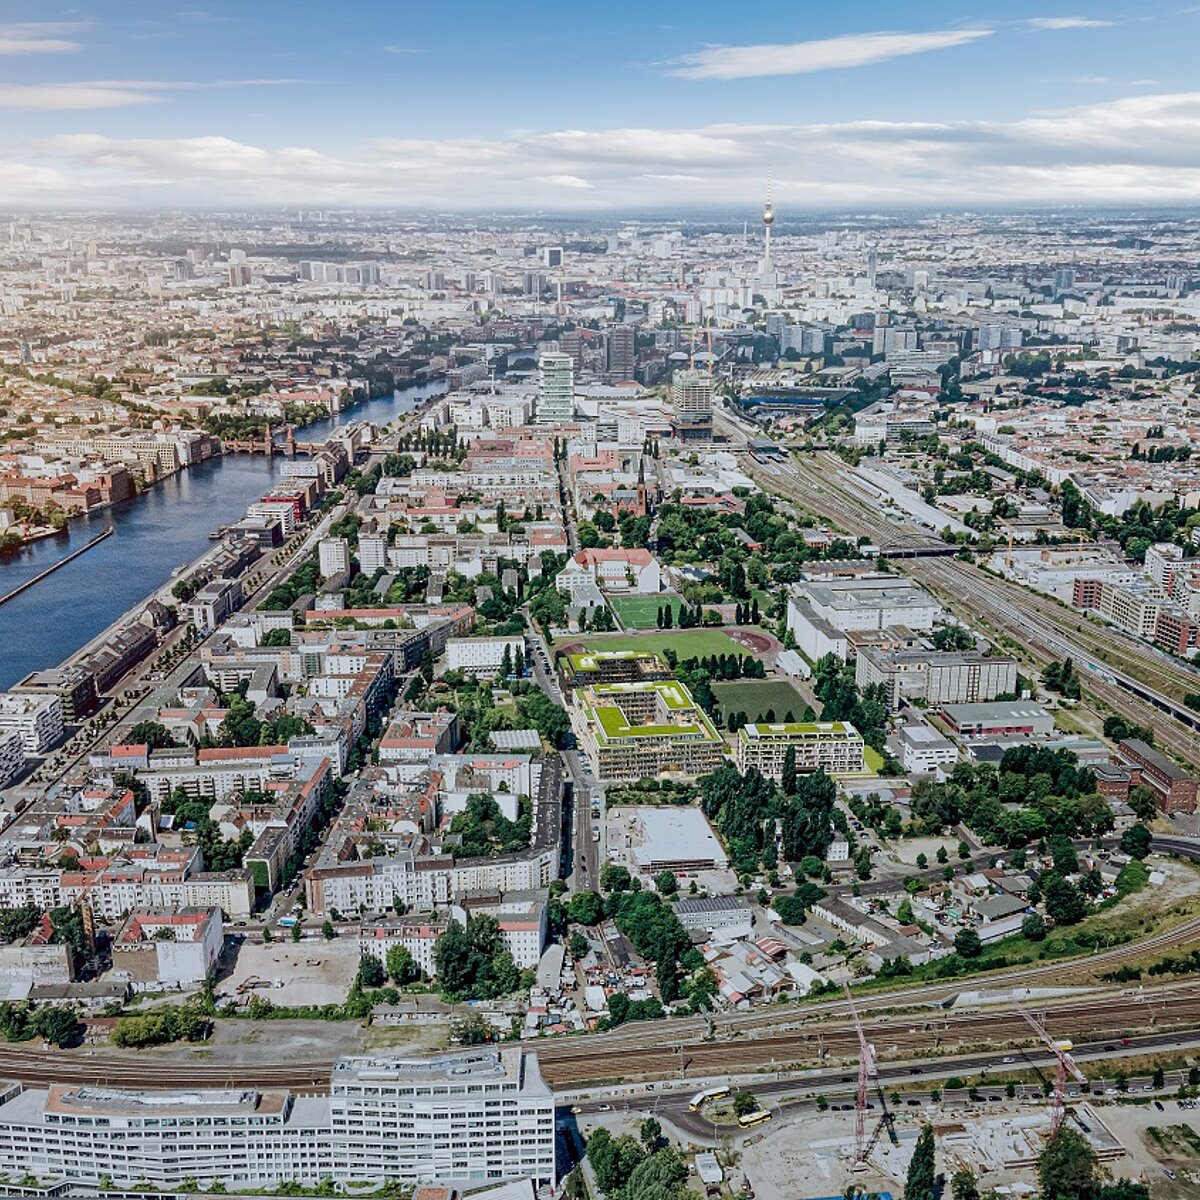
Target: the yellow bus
pixel 760 1117
pixel 700 1099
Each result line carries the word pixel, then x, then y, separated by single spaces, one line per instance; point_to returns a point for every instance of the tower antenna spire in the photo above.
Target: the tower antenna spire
pixel 768 219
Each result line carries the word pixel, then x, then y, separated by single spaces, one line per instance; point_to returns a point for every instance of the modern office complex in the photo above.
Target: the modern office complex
pixel 468 1117
pixel 692 398
pixel 640 730
pixel 950 677
pixel 832 746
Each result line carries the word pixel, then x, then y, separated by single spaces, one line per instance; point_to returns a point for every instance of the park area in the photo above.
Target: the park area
pixel 760 700
pixel 641 612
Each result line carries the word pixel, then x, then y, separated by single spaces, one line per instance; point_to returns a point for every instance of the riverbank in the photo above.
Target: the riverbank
pixel 157 532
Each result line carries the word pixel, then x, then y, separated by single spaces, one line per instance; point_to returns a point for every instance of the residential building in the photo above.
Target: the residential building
pixel 641 730
pixel 333 556
pixel 484 656
pixel 12 755
pixel 835 747
pixel 556 389
pixel 37 719
pixel 214 603
pixel 160 948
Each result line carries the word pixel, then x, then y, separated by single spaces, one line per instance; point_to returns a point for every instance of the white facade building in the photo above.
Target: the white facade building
pixel 483 656
pixel 923 751
pixel 38 720
pixel 556 389
pixel 471 1117
pixel 333 556
pixel 12 756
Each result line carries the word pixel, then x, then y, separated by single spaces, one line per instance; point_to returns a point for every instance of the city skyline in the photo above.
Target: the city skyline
pixel 537 109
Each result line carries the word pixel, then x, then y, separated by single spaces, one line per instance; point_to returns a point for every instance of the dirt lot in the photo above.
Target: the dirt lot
pixel 313 971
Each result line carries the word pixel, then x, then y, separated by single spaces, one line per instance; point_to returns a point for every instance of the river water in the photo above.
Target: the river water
pixel 160 530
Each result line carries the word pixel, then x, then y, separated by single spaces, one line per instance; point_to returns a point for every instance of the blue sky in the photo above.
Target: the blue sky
pixel 554 106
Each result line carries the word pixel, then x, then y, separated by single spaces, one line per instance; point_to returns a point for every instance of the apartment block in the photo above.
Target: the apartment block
pixel 484 656
pixel 641 730
pixel 38 720
pixel 835 747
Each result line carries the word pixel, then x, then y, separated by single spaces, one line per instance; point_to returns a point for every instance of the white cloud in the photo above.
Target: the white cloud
pixel 62 97
pixel 38 38
pixel 828 54
pixel 402 50
pixel 1067 23
pixel 564 181
pixel 111 93
pixel 1135 149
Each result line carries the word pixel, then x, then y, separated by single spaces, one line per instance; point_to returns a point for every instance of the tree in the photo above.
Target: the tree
pixel 615 878
pixel 1068 1168
pixel 371 973
pixel 1135 841
pixel 650 1131
pixel 788 777
pixel 577 945
pixel 967 943
pixel 327 930
pixel 666 883
pixel 585 908
pixel 59 1026
pixel 963 1185
pixel 1143 802
pixel 1063 900
pixel 152 734
pixel 920 1181
pixel 400 965
pixel 1033 927
pixel 744 1103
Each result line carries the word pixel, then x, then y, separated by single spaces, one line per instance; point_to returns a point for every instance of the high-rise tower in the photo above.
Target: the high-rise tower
pixel 556 389
pixel 768 219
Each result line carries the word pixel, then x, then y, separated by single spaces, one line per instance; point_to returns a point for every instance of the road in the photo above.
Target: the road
pixel 584 873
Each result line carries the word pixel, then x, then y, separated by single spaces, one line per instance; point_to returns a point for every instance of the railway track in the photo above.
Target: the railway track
pixel 1043 628
pixel 575 1062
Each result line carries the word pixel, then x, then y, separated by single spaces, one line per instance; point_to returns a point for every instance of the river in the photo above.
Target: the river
pixel 161 529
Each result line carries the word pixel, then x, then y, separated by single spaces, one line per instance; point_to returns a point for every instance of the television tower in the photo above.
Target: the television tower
pixel 768 219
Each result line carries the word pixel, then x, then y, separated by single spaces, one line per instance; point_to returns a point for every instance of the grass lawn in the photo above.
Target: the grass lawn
pixel 873 759
pixel 755 696
pixel 687 643
pixel 641 612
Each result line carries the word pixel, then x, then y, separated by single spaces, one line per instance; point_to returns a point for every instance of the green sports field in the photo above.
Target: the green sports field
pixel 641 612
pixel 755 697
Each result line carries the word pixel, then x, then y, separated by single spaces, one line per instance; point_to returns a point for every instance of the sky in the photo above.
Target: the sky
pixel 412 104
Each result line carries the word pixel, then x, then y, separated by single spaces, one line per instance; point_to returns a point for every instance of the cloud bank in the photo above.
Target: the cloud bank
pixel 1139 149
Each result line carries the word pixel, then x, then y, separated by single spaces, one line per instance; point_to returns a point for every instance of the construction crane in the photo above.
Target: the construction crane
pixel 866 1072
pixel 1064 1065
